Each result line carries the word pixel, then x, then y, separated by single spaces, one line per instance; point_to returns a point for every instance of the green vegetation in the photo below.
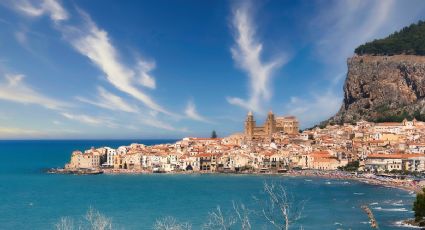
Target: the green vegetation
pixel 419 207
pixel 383 117
pixel 213 134
pixel 351 166
pixel 409 40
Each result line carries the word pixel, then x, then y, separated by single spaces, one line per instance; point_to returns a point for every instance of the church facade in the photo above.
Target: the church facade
pixel 288 125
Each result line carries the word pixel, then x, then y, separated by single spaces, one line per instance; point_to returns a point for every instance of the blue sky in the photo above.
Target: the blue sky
pixel 169 69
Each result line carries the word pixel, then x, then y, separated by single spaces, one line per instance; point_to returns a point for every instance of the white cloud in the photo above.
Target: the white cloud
pixel 7 132
pixel 343 25
pixel 94 43
pixel 55 122
pixel 247 54
pixel 21 37
pixel 110 101
pixel 153 122
pixel 15 89
pixel 143 69
pixel 191 112
pixel 91 120
pixel 319 107
pixel 51 7
pixel 21 133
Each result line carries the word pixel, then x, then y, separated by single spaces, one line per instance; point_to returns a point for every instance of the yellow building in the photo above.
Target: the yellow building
pixel 288 125
pixel 81 160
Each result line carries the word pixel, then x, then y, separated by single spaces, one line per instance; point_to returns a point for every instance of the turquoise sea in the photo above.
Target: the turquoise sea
pixel 31 199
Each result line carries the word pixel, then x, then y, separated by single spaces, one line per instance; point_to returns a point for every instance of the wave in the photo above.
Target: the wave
pixel 308 180
pixel 394 202
pixel 390 209
pixel 358 193
pixel 398 203
pixel 337 223
pixel 328 182
pixel 405 225
pixel 374 203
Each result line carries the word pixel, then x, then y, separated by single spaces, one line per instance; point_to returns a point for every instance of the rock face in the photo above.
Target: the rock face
pixel 378 87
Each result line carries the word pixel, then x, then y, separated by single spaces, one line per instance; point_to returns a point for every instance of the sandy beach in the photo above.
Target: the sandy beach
pixel 405 184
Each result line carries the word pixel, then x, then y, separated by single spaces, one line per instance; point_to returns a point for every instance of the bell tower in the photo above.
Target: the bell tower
pixel 270 126
pixel 249 125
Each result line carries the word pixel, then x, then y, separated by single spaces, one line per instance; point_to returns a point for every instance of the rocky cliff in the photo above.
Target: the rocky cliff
pixel 383 88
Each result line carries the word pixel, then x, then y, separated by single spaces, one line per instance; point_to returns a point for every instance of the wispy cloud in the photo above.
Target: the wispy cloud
pixel 343 25
pixel 91 120
pixel 25 133
pixel 143 71
pixel 247 54
pixel 94 43
pixel 13 88
pixel 154 122
pixel 192 113
pixel 21 37
pixel 38 8
pixel 318 107
pixel 110 101
pixel 7 132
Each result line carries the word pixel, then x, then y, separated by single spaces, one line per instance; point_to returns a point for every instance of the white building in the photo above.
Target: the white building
pixel 110 153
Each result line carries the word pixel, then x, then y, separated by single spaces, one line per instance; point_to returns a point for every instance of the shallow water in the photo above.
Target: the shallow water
pixel 31 199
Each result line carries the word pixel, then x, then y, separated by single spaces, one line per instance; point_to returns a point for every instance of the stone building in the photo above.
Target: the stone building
pixel 288 125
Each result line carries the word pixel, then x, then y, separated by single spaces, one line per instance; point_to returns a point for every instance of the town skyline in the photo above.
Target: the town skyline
pixel 93 70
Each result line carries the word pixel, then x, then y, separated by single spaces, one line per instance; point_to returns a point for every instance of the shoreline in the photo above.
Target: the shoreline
pixel 371 179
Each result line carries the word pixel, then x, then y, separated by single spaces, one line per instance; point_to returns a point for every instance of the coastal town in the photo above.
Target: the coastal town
pixel 276 147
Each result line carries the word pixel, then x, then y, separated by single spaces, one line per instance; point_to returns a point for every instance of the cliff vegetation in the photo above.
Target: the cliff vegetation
pixel 409 40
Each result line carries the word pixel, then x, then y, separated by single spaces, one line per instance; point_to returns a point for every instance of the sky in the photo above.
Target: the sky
pixel 104 69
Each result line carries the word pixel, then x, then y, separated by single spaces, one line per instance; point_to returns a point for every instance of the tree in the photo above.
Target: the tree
pixel 351 166
pixel 409 40
pixel 170 223
pixel 93 220
pixel 419 206
pixel 218 221
pixel 213 134
pixel 278 208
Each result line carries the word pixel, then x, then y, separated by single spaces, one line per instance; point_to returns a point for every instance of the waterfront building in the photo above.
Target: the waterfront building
pixel 395 162
pixel 110 153
pixel 87 160
pixel 273 147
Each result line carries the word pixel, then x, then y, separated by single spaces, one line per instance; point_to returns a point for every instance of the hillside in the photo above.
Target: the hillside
pixel 410 40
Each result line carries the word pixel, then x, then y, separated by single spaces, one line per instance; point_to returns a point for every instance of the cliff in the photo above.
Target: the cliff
pixel 383 88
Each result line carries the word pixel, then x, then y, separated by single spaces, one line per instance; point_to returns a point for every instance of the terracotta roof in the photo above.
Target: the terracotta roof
pixel 389 124
pixel 204 155
pixel 394 156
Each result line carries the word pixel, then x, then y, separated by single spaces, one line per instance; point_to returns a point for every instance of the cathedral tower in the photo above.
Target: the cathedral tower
pixel 270 125
pixel 249 125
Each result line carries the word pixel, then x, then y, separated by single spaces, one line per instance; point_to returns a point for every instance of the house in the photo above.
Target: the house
pixel 110 154
pixel 383 162
pixel 87 160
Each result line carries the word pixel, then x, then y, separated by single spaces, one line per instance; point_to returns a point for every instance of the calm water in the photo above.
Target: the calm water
pixel 30 199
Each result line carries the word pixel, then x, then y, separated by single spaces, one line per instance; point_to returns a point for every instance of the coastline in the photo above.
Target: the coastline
pixel 371 179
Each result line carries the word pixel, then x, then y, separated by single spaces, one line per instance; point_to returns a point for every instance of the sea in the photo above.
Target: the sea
pixel 32 199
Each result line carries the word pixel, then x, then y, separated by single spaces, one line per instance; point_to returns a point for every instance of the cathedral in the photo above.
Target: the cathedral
pixel 287 125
